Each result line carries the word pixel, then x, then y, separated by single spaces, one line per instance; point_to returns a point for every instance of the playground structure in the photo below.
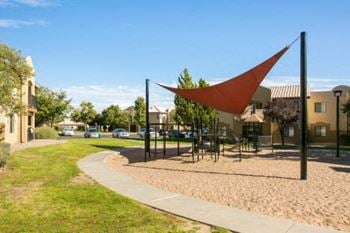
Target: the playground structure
pixel 224 97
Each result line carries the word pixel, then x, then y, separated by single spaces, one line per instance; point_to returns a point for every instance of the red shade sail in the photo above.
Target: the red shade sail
pixel 233 95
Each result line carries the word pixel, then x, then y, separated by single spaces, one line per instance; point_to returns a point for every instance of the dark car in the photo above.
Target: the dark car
pixel 176 134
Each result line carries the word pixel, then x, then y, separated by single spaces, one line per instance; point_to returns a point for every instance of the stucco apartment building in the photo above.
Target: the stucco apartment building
pixel 321 115
pixel 19 128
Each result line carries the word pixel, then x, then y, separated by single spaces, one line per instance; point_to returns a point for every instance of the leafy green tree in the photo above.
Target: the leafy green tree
pixel 14 71
pixel 52 106
pixel 346 108
pixel 85 113
pixel 140 111
pixel 184 107
pixel 171 116
pixel 191 112
pixel 282 112
pixel 202 115
pixel 115 117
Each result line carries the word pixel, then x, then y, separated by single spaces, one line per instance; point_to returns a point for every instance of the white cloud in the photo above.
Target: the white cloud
pixel 31 3
pixel 316 84
pixel 124 96
pixel 11 23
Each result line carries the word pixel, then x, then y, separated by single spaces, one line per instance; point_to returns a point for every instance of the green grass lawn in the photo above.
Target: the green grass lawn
pixel 38 193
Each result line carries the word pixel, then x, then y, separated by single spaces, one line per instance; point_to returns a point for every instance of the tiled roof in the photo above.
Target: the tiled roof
pixel 289 91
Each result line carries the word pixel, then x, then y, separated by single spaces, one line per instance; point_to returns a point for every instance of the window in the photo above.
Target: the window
pixel 320 107
pixel 320 131
pixel 29 120
pixel 12 124
pixel 289 131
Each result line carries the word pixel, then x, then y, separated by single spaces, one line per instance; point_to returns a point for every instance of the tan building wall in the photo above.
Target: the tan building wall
pixel 15 129
pixel 233 123
pixel 327 118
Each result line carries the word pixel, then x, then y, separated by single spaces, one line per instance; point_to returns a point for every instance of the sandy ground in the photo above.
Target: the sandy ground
pixel 266 184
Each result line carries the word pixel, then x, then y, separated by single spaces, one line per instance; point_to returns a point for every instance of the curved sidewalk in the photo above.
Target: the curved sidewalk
pixel 191 208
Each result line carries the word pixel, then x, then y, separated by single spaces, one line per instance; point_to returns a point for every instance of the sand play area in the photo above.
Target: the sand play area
pixel 267 184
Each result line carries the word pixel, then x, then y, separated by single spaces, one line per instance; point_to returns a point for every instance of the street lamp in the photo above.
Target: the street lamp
pixel 337 94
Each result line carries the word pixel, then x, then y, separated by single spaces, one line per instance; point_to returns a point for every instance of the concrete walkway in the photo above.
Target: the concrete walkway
pixel 191 208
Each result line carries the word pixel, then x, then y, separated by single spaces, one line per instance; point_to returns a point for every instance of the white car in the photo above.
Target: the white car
pixel 92 133
pixel 68 132
pixel 152 133
pixel 120 133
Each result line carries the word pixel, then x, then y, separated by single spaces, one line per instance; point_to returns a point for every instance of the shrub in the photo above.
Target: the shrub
pixel 4 153
pixel 344 139
pixel 45 133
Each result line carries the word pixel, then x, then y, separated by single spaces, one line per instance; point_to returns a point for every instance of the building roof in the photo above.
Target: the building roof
pixel 249 116
pixel 156 109
pixel 69 122
pixel 288 91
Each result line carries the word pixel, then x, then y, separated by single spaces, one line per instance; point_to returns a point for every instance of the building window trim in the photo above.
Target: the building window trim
pixel 320 131
pixel 320 107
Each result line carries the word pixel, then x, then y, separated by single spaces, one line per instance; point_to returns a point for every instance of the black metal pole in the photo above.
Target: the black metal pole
pixel 337 155
pixel 147 138
pixel 303 115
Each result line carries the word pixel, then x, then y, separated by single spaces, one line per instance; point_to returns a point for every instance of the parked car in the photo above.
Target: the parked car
pixel 120 133
pixel 163 132
pixel 68 132
pixel 176 134
pixel 92 133
pixel 152 133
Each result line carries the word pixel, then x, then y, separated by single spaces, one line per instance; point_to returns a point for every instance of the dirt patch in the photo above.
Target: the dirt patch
pixel 81 178
pixel 19 194
pixel 267 184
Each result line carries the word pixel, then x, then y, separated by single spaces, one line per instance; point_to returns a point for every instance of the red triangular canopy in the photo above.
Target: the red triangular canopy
pixel 233 95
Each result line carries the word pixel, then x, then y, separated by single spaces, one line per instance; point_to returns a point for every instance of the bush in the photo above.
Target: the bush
pixel 45 133
pixel 344 139
pixel 4 153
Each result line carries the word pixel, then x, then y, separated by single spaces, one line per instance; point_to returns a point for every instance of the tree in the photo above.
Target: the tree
pixel 140 111
pixel 203 115
pixel 184 107
pixel 52 106
pixel 188 111
pixel 115 117
pixel 14 71
pixel 85 113
pixel 346 108
pixel 282 112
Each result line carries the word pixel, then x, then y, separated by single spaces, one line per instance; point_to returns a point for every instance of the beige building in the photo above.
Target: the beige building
pixel 159 116
pixel 19 128
pixel 322 115
pixel 252 120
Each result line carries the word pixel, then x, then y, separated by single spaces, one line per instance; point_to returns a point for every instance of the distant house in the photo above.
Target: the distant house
pixel 69 123
pixel 19 128
pixel 158 116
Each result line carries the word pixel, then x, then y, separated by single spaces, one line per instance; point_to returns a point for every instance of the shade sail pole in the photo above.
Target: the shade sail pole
pixel 147 133
pixel 303 96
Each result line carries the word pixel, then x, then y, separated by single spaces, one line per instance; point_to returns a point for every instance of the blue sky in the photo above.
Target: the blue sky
pixel 102 51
